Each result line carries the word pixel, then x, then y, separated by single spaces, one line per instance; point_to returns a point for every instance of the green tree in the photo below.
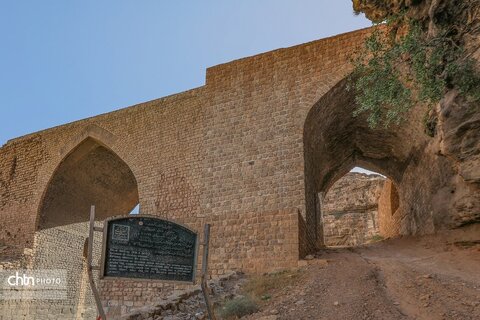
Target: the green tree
pixel 410 58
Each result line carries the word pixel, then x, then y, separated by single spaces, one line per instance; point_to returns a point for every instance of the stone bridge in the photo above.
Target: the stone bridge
pixel 252 152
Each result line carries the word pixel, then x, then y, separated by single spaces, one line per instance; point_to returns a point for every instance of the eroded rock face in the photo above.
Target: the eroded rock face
pixel 350 210
pixel 378 10
pixel 452 156
pixel 458 140
pixel 448 165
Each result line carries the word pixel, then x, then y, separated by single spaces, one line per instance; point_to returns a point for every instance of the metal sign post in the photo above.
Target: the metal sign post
pixel 204 286
pixel 147 247
pixel 143 247
pixel 90 268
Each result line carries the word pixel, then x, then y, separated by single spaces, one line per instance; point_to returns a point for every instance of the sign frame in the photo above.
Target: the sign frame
pixel 109 220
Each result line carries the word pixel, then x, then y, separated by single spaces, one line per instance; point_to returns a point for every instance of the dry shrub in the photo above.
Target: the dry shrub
pixel 237 308
pixel 262 286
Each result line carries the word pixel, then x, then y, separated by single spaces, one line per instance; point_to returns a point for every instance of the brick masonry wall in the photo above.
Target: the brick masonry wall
pixel 263 241
pixel 241 153
pixel 229 153
pixel 19 165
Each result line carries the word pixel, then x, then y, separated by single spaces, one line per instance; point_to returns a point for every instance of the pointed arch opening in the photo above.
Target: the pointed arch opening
pixel 91 174
pixel 358 208
pixel 336 141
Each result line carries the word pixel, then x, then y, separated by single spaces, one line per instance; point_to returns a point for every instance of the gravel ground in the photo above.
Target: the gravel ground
pixel 433 277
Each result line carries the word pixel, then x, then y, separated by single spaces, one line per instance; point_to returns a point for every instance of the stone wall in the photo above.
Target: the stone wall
pixel 246 152
pixel 229 153
pixel 350 210
pixel 260 239
pixel 20 162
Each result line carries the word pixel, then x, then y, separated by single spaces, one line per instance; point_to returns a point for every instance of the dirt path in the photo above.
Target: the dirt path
pixel 432 277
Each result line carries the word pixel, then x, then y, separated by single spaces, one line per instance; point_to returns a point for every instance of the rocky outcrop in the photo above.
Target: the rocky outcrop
pixel 350 210
pixel 458 140
pixel 378 10
pixel 452 156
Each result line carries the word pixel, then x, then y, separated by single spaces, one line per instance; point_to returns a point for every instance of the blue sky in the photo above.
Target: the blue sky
pixel 62 61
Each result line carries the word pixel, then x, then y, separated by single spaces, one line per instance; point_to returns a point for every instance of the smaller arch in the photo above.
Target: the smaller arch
pixel 89 174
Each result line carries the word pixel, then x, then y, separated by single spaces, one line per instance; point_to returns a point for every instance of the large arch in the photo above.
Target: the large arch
pixel 90 174
pixel 335 141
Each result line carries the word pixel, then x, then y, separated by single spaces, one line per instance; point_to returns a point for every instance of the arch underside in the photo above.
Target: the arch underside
pixel 90 175
pixel 335 141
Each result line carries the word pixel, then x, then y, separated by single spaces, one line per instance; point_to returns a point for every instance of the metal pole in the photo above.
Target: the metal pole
pixel 206 240
pixel 96 295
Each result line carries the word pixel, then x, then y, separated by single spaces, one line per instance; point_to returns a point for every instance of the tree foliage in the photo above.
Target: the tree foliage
pixel 402 64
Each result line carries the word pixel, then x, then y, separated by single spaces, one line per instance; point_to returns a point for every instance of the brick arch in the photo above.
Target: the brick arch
pixel 89 173
pixel 92 131
pixel 88 170
pixel 335 141
pixel 75 138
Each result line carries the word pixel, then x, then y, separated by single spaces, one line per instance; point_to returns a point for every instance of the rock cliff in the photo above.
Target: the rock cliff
pixel 350 210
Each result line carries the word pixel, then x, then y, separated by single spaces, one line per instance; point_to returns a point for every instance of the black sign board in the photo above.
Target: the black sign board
pixel 146 247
